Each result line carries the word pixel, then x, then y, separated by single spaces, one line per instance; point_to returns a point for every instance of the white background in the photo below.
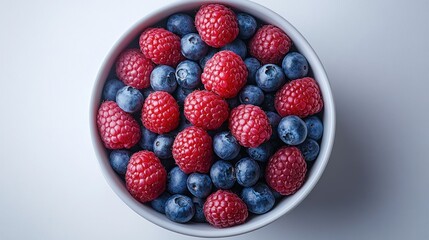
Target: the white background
pixel 375 185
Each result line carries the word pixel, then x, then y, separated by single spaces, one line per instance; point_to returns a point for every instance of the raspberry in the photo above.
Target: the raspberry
pixel 134 69
pixel 192 150
pixel 270 44
pixel 205 109
pixel 225 209
pixel 117 128
pixel 225 74
pixel 300 97
pixel 146 177
pixel 249 125
pixel 286 170
pixel 160 113
pixel 216 24
pixel 161 46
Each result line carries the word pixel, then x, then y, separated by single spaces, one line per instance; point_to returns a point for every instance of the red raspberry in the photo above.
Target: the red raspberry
pixel 224 74
pixel 117 128
pixel 225 209
pixel 270 44
pixel 192 150
pixel 146 177
pixel 161 46
pixel 300 97
pixel 286 170
pixel 216 24
pixel 160 113
pixel 205 109
pixel 134 69
pixel 249 125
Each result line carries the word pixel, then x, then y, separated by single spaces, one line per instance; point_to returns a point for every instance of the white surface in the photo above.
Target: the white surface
pixel 375 186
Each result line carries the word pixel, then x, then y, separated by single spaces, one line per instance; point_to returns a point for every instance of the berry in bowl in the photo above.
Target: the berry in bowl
pixel 212 119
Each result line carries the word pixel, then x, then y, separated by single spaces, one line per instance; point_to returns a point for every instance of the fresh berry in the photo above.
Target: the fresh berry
pixel 269 44
pixel 226 146
pixel 274 120
pixel 205 109
pixel 147 91
pixel 292 130
pixel 163 78
pixel 146 177
pixel 199 185
pixel 286 170
pixel 249 125
pixel 225 209
pixel 160 112
pixel 147 139
pixel 134 69
pixel 224 74
pixel 119 160
pixel 261 153
pixel 207 57
pixel 252 65
pixel 192 150
pixel 314 128
pixel 199 212
pixel 188 74
pixel 222 174
pixel 251 94
pixel 176 181
pixel 309 149
pixel 247 25
pixel 117 128
pixel 216 24
pixel 299 97
pixel 295 65
pixel 162 146
pixel 181 24
pixel 193 47
pixel 129 99
pixel 179 208
pixel 268 104
pixel 159 203
pixel 161 46
pixel 258 198
pixel 111 87
pixel 180 95
pixel 237 46
pixel 247 172
pixel 270 77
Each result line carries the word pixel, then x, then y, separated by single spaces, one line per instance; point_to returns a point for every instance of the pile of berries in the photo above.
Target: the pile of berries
pixel 215 117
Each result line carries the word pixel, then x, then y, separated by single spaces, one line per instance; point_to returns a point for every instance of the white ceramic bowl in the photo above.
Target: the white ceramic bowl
pixel 255 222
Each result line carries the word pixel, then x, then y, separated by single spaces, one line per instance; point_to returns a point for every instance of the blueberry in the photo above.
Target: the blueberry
pixel 251 94
pixel 111 87
pixel 193 47
pixel 207 57
pixel 162 146
pixel 163 78
pixel 179 208
pixel 119 160
pixel 129 99
pixel 180 94
pixel 295 65
pixel 188 74
pixel 159 203
pixel 314 127
pixel 309 149
pixel 225 145
pixel 247 25
pixel 247 172
pixel 176 181
pixel 252 65
pixel 261 153
pixel 274 120
pixel 233 102
pixel 276 194
pixel 199 185
pixel 199 211
pixel 292 130
pixel 148 137
pixel 181 24
pixel 259 198
pixel 270 77
pixel 268 104
pixel 168 163
pixel 147 91
pixel 237 46
pixel 222 174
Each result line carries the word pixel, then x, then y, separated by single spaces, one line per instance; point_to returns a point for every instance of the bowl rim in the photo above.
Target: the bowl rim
pixel 287 203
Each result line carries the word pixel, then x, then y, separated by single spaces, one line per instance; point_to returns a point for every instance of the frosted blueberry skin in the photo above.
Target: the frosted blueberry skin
pixel 159 203
pixel 314 127
pixel 237 46
pixel 188 74
pixel 270 77
pixel 207 57
pixel 258 198
pixel 163 78
pixel 247 25
pixel 181 24
pixel 252 65
pixel 251 94
pixel 193 47
pixel 261 153
pixel 179 208
pixel 225 145
pixel 162 146
pixel 176 181
pixel 247 172
pixel 199 185
pixel 119 159
pixel 111 87
pixel 199 210
pixel 295 65
pixel 147 139
pixel 129 99
pixel 222 174
pixel 309 149
pixel 292 130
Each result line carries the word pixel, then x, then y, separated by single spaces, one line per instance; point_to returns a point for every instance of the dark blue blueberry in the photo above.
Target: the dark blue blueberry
pixel 193 47
pixel 268 104
pixel 259 198
pixel 237 46
pixel 225 146
pixel 119 160
pixel 276 194
pixel 233 102
pixel 261 153
pixel 207 57
pixel 270 77
pixel 159 203
pixel 222 174
pixel 199 185
pixel 309 149
pixel 147 91
pixel 180 94
pixel 176 181
pixel 168 163
pixel 314 127
pixel 179 208
pixel 247 25
pixel 274 120
pixel 162 146
pixel 295 65
pixel 199 211
pixel 181 24
pixel 188 74
pixel 247 172
pixel 163 78
pixel 129 99
pixel 111 87
pixel 252 65
pixel 292 130
pixel 148 137
pixel 251 94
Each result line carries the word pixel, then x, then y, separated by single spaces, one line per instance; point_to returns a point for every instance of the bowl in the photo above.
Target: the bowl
pixel 286 204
